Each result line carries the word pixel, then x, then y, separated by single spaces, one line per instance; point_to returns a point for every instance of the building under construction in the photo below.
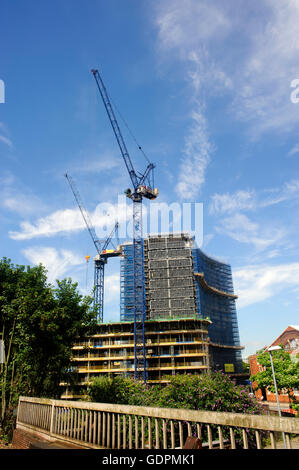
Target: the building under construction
pixel 191 321
pixel 181 282
pixel 172 346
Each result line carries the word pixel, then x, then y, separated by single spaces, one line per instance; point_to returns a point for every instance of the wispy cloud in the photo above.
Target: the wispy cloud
pixel 103 161
pixel 61 221
pixel 254 284
pixel 196 157
pixel 16 198
pixel 175 22
pixel 67 221
pixel 240 228
pixel 183 25
pixel 250 199
pixel 293 150
pixel 262 82
pixel 4 136
pixel 6 141
pixel 262 38
pixel 57 262
pixel 266 236
pixel 227 203
pixel 196 35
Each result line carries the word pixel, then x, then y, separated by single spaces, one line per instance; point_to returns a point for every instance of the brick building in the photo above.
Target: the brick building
pixel 289 339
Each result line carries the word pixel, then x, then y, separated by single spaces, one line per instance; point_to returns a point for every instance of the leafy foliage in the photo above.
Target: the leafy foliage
pixel 286 372
pixel 39 324
pixel 209 392
pixel 214 392
pixel 122 391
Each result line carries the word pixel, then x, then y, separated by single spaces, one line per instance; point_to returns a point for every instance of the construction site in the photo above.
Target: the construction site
pixel 190 325
pixel 177 304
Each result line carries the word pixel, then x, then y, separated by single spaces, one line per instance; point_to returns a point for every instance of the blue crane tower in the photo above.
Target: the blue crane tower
pixel 143 187
pixel 102 252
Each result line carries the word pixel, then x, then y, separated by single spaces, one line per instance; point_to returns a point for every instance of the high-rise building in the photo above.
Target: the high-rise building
pixel 180 282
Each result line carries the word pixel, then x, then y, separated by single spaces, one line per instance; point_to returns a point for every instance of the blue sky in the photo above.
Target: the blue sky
pixel 205 86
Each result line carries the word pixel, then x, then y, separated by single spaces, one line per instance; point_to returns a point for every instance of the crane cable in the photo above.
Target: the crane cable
pixel 130 132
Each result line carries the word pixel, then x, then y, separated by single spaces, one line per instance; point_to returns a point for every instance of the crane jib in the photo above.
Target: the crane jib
pixel 140 190
pixel 116 129
pixel 99 260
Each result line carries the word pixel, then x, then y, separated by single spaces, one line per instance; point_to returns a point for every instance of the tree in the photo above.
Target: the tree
pixel 246 368
pixel 39 324
pixel 286 373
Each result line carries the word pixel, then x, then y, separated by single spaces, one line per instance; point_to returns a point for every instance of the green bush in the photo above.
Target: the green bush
pixel 122 391
pixel 208 392
pixel 213 392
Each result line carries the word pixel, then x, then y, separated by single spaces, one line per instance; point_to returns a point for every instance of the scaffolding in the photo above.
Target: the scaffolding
pixel 216 300
pixel 127 283
pixel 183 282
pixel 170 286
pixel 173 346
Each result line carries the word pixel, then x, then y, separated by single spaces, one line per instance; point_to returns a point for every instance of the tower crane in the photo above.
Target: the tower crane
pixel 143 187
pixel 102 252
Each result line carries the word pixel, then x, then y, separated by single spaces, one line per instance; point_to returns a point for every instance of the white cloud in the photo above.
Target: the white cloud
pixel 4 138
pixel 207 239
pixel 264 234
pixel 245 200
pixel 254 284
pixel 57 262
pixel 22 204
pixel 14 197
pixel 196 157
pixel 293 150
pixel 104 161
pixel 263 84
pixel 7 179
pixel 240 200
pixel 288 191
pixel 178 32
pixel 61 221
pixel 6 141
pixel 197 35
pixel 112 288
pixel 273 253
pixel 65 221
pixel 262 38
pixel 240 228
pixel 203 71
pixel 184 24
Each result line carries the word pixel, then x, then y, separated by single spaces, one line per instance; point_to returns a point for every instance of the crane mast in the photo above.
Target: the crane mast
pixel 99 265
pixel 102 254
pixel 142 187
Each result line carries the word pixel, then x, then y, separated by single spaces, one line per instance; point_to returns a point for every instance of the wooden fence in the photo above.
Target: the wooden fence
pixel 109 426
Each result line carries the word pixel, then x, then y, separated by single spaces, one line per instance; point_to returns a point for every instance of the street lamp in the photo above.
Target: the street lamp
pixel 276 348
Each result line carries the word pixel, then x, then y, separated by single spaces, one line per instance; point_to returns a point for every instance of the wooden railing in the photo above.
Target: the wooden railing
pixel 103 425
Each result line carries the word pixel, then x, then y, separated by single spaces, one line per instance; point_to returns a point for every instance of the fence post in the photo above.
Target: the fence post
pixel 19 410
pixel 52 418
